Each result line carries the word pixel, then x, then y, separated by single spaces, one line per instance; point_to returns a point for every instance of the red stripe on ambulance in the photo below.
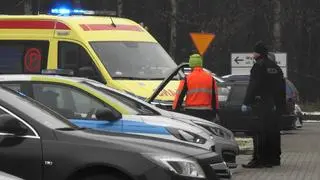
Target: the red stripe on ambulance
pixel 101 27
pixel 32 24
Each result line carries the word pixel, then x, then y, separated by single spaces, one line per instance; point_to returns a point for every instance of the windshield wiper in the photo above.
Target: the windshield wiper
pixel 130 78
pixel 70 129
pixel 139 78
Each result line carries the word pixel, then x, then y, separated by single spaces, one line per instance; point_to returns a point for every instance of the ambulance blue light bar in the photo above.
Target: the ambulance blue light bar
pixel 68 12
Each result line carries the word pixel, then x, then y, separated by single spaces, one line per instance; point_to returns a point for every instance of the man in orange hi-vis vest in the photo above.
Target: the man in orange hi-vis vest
pixel 199 87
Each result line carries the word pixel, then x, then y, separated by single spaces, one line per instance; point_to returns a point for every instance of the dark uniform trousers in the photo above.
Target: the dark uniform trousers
pixel 267 139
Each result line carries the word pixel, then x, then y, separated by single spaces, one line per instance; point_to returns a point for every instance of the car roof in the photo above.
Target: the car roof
pixel 54 78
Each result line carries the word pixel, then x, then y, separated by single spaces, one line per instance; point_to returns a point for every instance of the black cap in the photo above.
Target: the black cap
pixel 260 48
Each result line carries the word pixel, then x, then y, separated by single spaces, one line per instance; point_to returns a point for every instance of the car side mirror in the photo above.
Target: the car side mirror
pixel 11 125
pixel 107 114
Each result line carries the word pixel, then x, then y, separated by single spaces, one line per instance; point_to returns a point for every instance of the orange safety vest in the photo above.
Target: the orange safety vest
pixel 200 86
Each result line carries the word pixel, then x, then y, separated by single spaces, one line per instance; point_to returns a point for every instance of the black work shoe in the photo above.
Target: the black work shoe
pixel 267 165
pixel 253 161
pixel 276 163
pixel 253 164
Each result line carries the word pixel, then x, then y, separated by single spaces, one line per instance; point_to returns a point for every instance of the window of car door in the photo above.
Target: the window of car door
pixel 134 107
pixel 30 132
pixel 68 101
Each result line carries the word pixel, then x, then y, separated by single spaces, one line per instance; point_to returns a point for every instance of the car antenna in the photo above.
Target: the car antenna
pixel 112 22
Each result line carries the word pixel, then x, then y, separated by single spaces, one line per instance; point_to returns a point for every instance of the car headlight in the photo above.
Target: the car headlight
pixel 218 132
pixel 222 98
pixel 223 93
pixel 180 166
pixel 186 136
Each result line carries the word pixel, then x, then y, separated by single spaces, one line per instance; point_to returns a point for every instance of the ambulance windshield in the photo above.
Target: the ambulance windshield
pixel 134 60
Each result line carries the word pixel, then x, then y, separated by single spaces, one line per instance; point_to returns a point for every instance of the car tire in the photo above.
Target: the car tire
pixel 104 177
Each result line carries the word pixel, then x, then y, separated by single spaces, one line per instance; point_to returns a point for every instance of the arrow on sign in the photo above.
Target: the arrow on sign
pixel 237 60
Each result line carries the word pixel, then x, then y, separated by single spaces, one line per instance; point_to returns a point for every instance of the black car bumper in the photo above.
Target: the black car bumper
pixel 161 174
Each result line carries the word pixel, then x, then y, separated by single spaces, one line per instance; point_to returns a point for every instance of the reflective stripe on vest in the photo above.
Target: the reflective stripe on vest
pixel 199 107
pixel 199 90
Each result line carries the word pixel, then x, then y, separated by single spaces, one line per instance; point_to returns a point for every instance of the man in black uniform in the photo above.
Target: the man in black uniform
pixel 266 95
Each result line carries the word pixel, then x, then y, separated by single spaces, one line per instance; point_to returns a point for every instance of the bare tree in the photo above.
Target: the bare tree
pixel 27 6
pixel 277 25
pixel 173 27
pixel 76 3
pixel 119 8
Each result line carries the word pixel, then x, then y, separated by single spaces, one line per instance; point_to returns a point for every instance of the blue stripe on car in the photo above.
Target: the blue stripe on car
pixel 125 126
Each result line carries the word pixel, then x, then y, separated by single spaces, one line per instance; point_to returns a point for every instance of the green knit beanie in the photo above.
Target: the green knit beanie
pixel 195 60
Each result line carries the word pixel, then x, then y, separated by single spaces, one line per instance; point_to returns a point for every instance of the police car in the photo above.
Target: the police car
pixel 84 103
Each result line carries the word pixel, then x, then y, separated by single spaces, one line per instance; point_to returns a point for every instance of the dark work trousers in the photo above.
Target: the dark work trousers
pixel 274 138
pixel 268 139
pixel 209 115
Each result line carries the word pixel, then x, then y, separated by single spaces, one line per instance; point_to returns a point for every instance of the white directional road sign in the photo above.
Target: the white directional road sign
pixel 241 63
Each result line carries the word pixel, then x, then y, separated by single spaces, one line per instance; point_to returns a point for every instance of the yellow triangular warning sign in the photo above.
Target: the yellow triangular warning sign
pixel 202 41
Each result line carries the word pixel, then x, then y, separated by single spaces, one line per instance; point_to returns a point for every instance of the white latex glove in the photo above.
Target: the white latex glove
pixel 244 108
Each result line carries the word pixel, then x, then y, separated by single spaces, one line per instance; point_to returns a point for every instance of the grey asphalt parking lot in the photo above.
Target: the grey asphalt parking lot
pixel 300 159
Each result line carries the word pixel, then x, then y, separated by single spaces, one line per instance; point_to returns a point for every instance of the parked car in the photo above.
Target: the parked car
pixel 37 143
pixel 292 97
pixel 86 105
pixel 234 119
pixel 225 143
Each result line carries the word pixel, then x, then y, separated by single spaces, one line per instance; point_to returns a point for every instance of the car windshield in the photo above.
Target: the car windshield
pixel 133 107
pixel 134 60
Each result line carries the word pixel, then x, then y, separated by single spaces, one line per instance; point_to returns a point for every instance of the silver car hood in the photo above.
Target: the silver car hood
pixel 165 121
pixel 188 118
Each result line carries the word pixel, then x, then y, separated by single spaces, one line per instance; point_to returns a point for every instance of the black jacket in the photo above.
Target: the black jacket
pixel 267 84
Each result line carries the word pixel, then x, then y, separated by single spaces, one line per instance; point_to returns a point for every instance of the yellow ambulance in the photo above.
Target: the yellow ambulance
pixel 116 51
